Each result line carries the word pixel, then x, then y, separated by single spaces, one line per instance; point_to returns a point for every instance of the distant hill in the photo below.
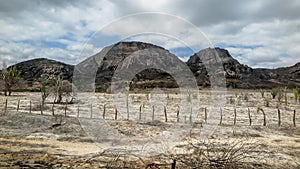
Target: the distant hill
pixel 237 75
pixel 32 70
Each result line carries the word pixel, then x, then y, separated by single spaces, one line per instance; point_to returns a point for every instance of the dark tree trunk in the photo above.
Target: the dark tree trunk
pixel 59 98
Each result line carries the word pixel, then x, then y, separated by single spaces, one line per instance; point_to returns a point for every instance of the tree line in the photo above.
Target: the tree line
pixel 55 85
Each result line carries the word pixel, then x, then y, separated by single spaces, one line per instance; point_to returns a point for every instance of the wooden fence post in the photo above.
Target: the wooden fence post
pixel 52 109
pixel 116 113
pixel 234 117
pixel 279 118
pixel 30 106
pixel 18 106
pixel 249 115
pixel 140 113
pixel 78 110
pixel 205 115
pixel 91 115
pixel 191 115
pixel 41 107
pixel 165 111
pixel 264 114
pixel 153 110
pixel 294 118
pixel 221 113
pixel 5 107
pixel 66 109
pixel 104 109
pixel 177 114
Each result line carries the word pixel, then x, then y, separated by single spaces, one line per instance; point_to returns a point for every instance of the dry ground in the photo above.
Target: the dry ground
pixel 31 140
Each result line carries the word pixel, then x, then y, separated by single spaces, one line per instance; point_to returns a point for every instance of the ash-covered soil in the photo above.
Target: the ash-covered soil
pixel 46 141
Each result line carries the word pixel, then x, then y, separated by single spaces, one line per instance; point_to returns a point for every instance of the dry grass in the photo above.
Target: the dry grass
pixel 221 154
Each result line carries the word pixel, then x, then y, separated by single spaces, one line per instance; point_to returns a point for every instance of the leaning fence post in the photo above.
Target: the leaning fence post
pixel 279 117
pixel 116 113
pixel 264 115
pixel 52 109
pixel 78 110
pixel 294 118
pixel 104 107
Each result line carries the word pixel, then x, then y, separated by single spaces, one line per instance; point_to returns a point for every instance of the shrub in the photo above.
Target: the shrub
pixel 262 92
pixel 274 93
pixel 220 153
pixel 267 101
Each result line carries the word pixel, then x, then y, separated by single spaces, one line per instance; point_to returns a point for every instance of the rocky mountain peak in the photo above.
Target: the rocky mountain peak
pixel 121 50
pixel 210 53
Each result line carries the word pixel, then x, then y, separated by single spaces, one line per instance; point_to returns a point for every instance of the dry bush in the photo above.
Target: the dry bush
pixel 219 154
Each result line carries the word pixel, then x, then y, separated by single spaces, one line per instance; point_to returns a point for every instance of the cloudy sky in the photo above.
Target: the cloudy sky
pixel 257 33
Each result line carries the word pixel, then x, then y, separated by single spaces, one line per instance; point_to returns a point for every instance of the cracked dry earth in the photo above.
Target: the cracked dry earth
pixel 34 141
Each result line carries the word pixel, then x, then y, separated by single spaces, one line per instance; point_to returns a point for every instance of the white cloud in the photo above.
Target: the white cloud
pixel 272 24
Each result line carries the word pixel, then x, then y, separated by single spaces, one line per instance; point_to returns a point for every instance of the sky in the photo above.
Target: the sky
pixel 257 33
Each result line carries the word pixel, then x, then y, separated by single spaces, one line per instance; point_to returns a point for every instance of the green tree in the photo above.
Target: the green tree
pixel 65 90
pixel 285 92
pixel 11 77
pixel 262 92
pixel 274 93
pixel 297 94
pixel 45 89
pixel 57 85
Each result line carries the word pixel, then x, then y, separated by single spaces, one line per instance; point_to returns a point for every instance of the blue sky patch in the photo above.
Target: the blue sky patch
pixel 68 36
pixel 182 52
pixel 239 46
pixel 53 44
pixel 83 23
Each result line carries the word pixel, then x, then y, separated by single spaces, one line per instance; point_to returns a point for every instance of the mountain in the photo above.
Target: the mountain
pixel 230 68
pixel 104 64
pixel 240 75
pixel 107 61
